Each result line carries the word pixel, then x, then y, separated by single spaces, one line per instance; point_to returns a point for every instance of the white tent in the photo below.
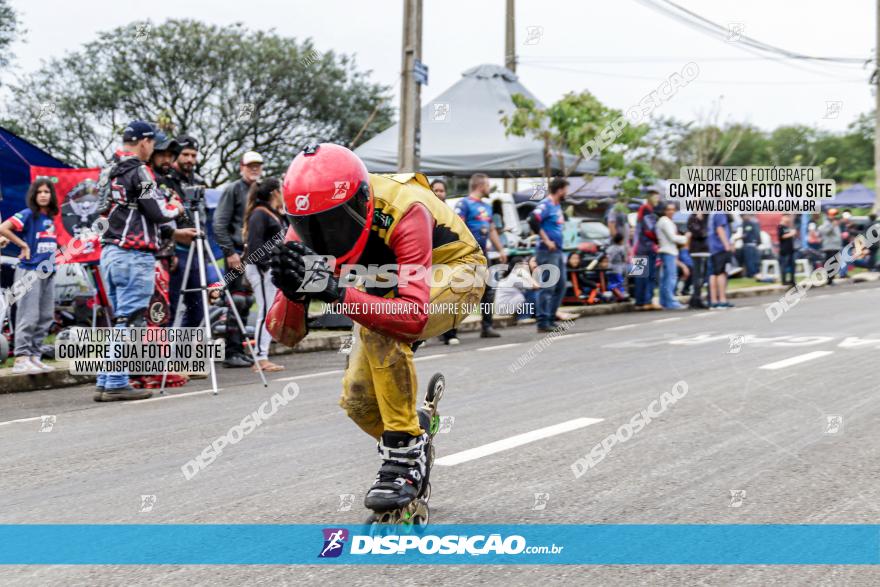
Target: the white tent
pixel 462 133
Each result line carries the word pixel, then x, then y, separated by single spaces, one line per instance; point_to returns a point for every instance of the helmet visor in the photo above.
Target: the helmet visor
pixel 335 231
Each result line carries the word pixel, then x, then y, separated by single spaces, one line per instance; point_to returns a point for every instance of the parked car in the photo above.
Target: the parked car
pixel 507 221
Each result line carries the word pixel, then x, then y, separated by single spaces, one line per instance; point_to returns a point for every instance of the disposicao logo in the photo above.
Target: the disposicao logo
pixel 334 540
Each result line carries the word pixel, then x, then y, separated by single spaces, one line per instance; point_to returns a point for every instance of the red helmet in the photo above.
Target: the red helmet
pixel 328 201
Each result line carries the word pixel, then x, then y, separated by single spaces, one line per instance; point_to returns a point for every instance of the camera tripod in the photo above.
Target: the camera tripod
pixel 198 250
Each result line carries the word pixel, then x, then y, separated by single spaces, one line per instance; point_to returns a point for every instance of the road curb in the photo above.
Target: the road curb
pixel 10 383
pixel 60 377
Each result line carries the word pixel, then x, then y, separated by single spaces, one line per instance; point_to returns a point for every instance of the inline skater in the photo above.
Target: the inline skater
pixel 336 208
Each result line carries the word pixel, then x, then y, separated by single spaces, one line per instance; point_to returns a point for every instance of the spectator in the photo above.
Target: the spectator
pixel 477 214
pixel 498 223
pixel 164 153
pixel 832 240
pixel 685 269
pixel 228 223
pixel 646 248
pixel 264 226
pixel 547 221
pixel 616 253
pixel 787 235
pixel 516 291
pixel 721 251
pixel 593 281
pixel 698 247
pixel 438 186
pixel 751 238
pixel 136 216
pixel 875 246
pixel 847 233
pixel 189 186
pixel 617 222
pixel 36 308
pixel 669 240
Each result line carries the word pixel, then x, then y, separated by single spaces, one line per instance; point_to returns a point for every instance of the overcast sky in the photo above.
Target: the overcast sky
pixel 618 50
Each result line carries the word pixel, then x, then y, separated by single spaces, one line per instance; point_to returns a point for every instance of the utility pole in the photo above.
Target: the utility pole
pixel 510 37
pixel 510 63
pixel 408 149
pixel 876 80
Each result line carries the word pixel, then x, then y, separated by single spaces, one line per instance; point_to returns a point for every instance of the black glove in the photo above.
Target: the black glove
pixel 298 281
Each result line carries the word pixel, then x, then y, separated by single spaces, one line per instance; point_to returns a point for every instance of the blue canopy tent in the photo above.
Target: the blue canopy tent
pixel 857 196
pixel 16 157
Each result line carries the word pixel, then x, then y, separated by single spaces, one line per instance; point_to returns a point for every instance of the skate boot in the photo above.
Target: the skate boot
pixel 402 489
pixel 402 473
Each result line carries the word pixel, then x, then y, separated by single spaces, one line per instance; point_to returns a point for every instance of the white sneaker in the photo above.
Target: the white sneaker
pixel 36 362
pixel 24 366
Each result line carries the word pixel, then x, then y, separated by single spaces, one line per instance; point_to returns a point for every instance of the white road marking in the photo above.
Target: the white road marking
pixel 310 375
pixel 499 346
pixel 795 360
pixel 21 420
pixel 515 441
pixel 172 396
pixel 624 327
pixel 673 319
pixel 702 314
pixel 429 357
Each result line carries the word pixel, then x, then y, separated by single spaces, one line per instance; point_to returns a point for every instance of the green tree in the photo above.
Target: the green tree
pixel 233 89
pixel 569 124
pixel 10 28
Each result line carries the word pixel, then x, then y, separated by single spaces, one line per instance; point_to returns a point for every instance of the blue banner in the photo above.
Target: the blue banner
pixel 670 544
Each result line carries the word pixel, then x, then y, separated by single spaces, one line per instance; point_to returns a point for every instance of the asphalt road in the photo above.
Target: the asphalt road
pixel 781 414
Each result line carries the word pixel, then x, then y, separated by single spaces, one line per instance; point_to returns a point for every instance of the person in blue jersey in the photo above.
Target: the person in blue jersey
pixel 721 250
pixel 477 215
pixel 33 231
pixel 547 221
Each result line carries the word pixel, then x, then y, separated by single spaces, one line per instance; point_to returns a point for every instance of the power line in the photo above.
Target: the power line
pixel 633 59
pixel 700 80
pixel 699 22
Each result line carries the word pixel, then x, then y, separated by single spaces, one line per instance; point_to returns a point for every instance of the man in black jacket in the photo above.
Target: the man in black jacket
pixel 228 221
pixel 184 180
pixel 137 215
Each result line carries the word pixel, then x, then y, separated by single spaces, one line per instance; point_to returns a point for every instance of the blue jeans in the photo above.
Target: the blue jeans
pixel 129 278
pixel 193 313
pixel 669 277
pixel 550 296
pixel 786 267
pixel 645 282
pixel 751 258
pixel 531 305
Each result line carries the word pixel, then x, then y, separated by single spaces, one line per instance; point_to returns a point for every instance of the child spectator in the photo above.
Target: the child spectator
pixel 33 231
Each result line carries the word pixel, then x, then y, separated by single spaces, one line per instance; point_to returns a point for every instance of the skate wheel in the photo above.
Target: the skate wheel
pixel 436 385
pixel 419 515
pixel 382 523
